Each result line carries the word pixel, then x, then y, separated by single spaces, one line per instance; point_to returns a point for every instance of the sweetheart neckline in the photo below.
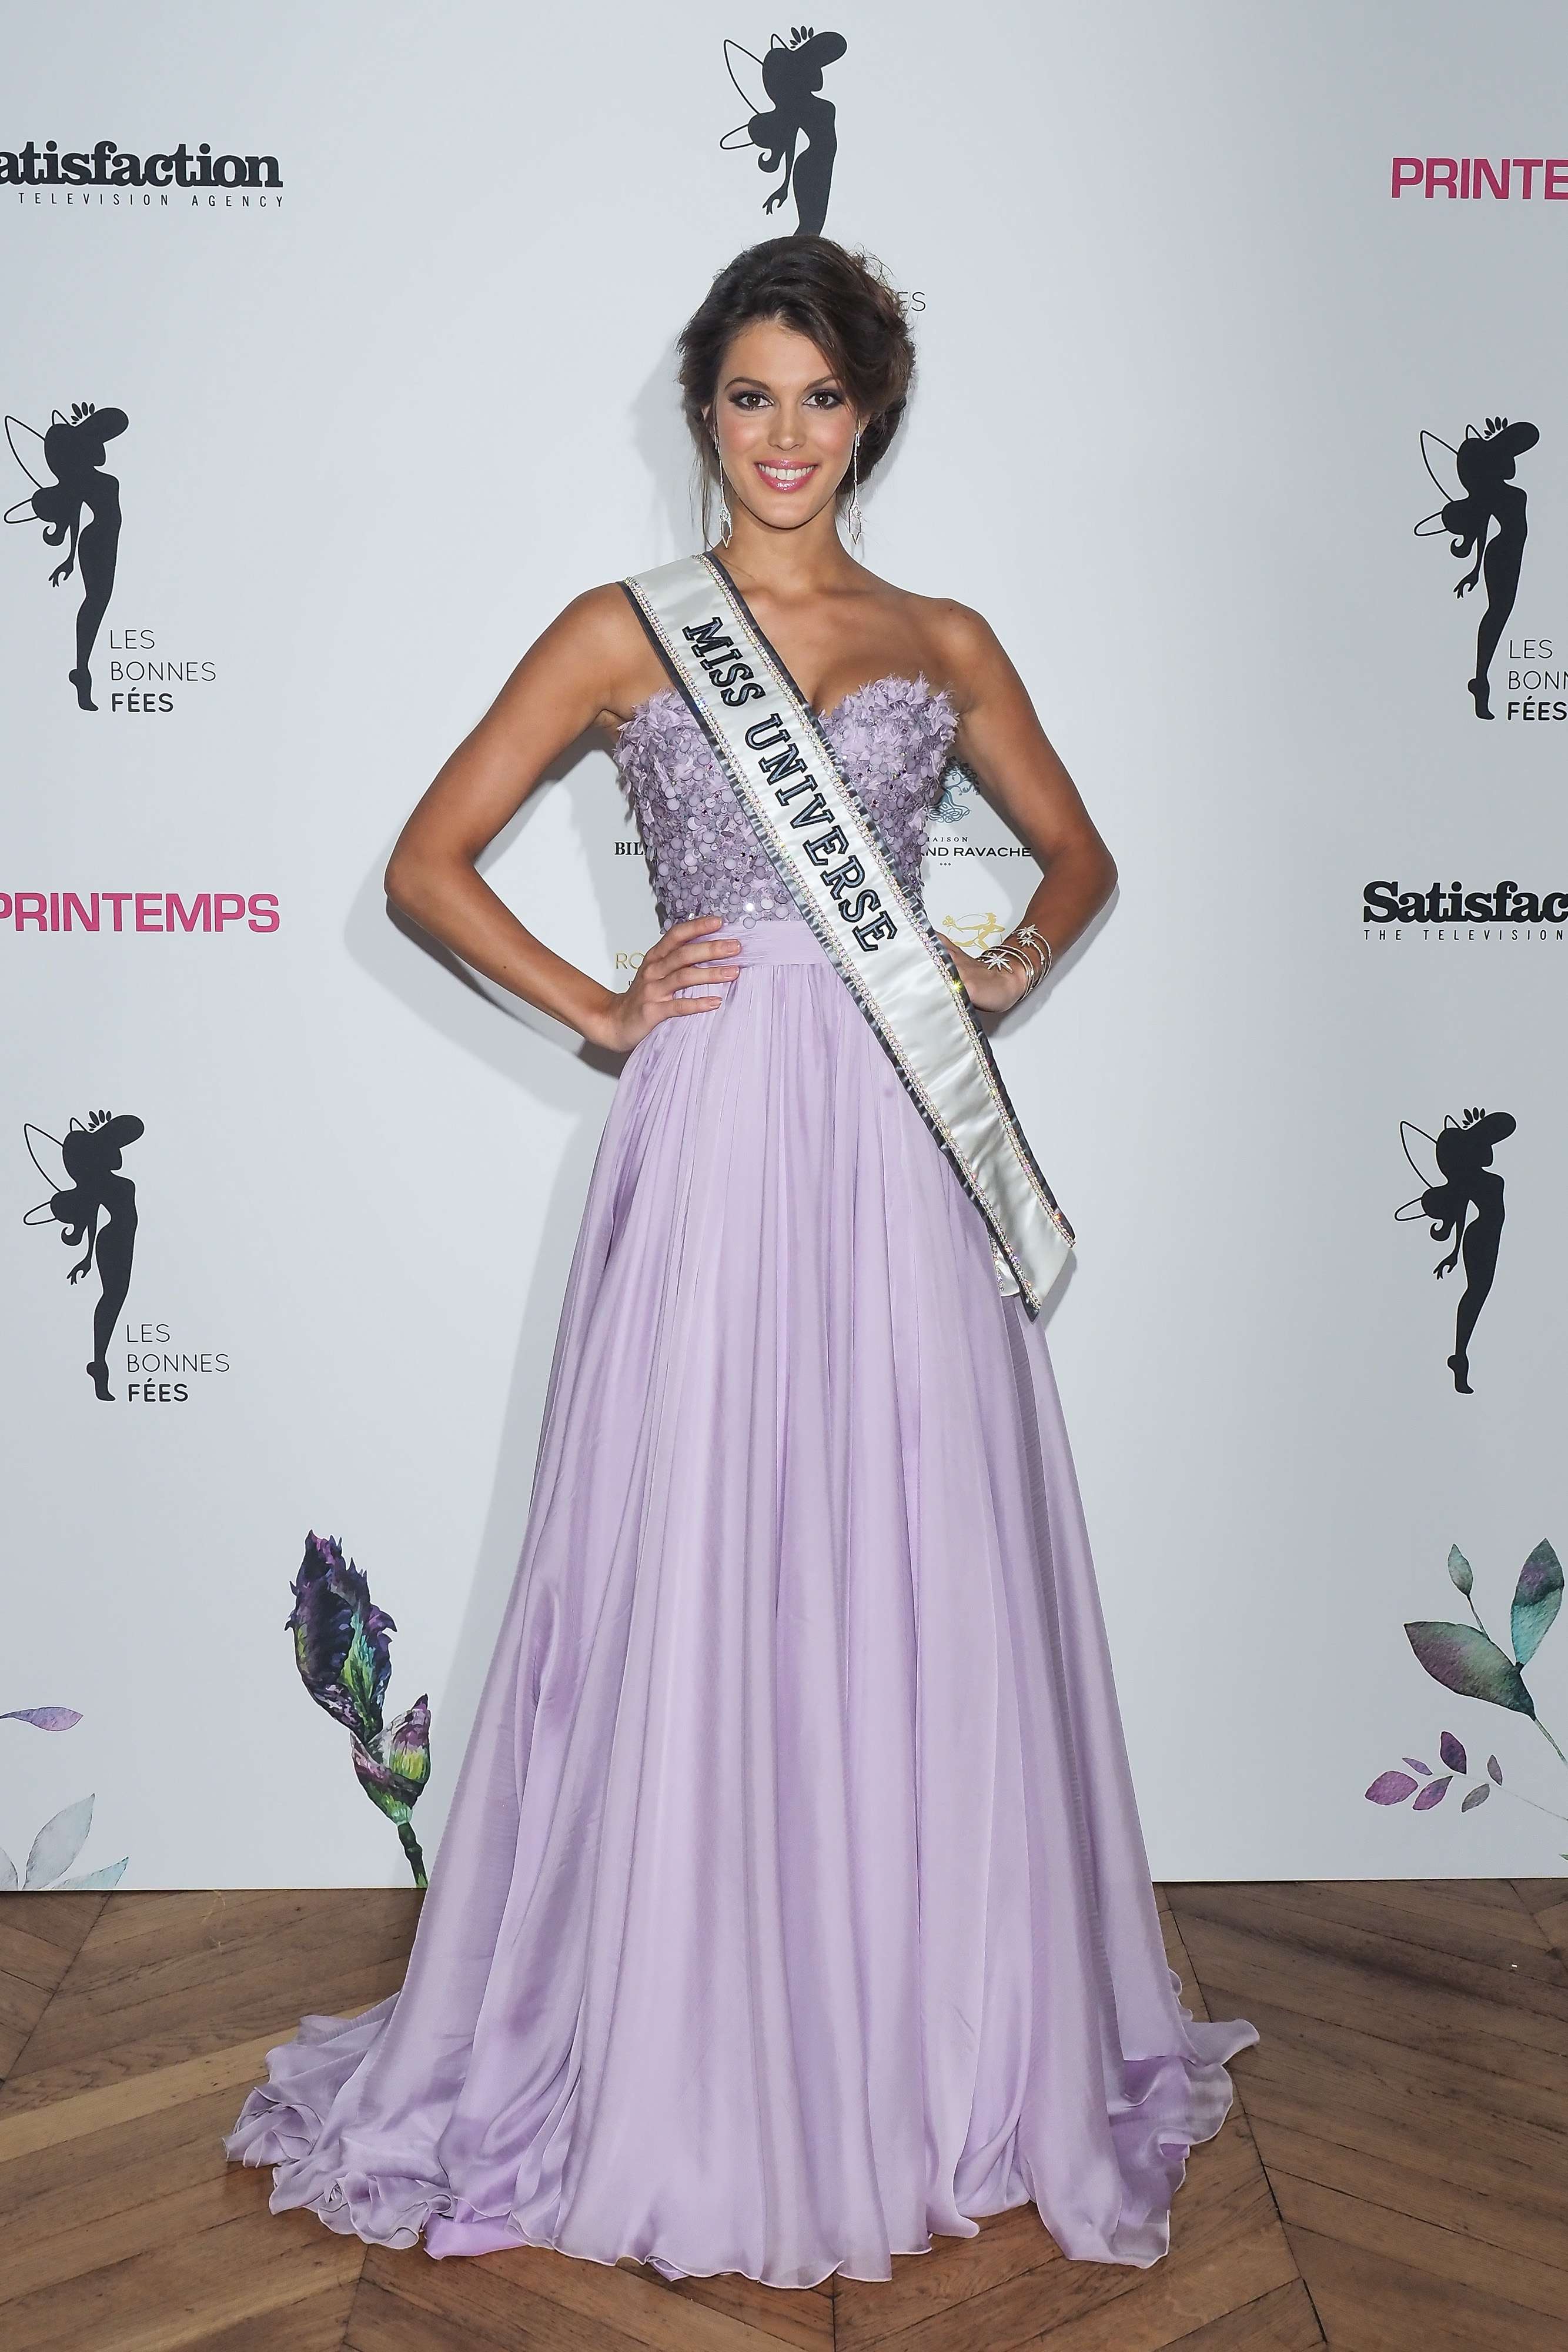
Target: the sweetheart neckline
pixel 921 684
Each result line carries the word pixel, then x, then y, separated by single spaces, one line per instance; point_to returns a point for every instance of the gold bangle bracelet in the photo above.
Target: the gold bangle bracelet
pixel 1027 948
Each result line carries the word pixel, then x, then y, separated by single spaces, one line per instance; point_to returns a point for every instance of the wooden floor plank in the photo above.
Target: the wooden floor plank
pixel 1447 1919
pixel 1522 2220
pixel 22 2004
pixel 37 1960
pixel 58 2187
pixel 62 1919
pixel 1520 1984
pixel 1441 2253
pixel 380 2321
pixel 175 1919
pixel 583 2302
pixel 172 2297
pixel 637 2303
pixel 1282 2322
pixel 1370 2302
pixel 1317 2072
pixel 315 2324
pixel 1227 2249
pixel 1546 1900
pixel 175 1930
pixel 207 2038
pixel 201 1995
pixel 1487 2025
pixel 798 2316
pixel 40 1935
pixel 1410 2100
pixel 42 2121
pixel 1391 2177
pixel 172 2217
pixel 1011 2247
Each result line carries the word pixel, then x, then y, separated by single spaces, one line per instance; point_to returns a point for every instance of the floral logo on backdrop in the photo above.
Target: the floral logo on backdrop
pixel 63 1836
pixel 344 1657
pixel 1466 1660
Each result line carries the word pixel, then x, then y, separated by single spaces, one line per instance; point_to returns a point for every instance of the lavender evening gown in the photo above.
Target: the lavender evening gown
pixel 793 1903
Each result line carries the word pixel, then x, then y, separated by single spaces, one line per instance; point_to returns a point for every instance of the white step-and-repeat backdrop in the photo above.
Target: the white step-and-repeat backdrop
pixel 338 355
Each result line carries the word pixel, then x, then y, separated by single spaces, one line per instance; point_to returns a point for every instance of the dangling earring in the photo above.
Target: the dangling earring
pixel 725 519
pixel 854 507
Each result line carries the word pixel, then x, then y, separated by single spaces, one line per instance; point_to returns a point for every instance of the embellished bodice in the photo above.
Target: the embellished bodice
pixel 892 739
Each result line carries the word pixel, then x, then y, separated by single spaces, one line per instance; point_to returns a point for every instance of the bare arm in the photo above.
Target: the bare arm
pixel 1001 737
pixel 591 663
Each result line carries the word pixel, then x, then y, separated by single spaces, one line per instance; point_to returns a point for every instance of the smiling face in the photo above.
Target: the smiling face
pixel 785 424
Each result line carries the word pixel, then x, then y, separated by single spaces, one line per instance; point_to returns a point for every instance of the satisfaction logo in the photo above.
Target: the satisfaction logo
pixel 112 178
pixel 1503 912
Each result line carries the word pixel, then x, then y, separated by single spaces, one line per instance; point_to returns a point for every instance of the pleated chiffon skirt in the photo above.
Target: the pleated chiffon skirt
pixel 793 1904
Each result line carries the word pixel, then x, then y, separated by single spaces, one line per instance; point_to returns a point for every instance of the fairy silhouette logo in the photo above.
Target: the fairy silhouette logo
pixel 1485 516
pixel 784 90
pixel 66 468
pixel 1464 1199
pixel 84 1167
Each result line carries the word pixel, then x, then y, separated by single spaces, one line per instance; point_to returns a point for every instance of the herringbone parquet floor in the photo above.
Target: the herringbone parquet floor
pixel 1392 2178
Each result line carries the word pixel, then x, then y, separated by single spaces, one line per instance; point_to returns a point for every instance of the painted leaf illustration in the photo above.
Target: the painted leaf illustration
pixel 1459 1569
pixel 1495 1769
pixel 362 1677
pixel 1391 1788
pixel 1461 1658
pixel 113 1872
pixel 1477 1795
pixel 59 1841
pixel 1416 1766
pixel 1452 1752
pixel 43 1718
pixel 7 1872
pixel 1537 1598
pixel 1433 1794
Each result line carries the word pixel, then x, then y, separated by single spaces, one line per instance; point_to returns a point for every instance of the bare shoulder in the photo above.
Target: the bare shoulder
pixel 599 639
pixel 599 622
pixel 966 638
pixel 958 647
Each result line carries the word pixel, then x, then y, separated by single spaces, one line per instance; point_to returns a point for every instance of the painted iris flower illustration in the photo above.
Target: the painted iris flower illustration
pixel 1467 1661
pixel 344 1657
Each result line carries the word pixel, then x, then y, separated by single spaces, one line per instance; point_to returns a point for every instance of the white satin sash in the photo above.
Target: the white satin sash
pixel 823 845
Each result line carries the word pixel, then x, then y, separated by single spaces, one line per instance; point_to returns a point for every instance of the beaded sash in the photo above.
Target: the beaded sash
pixel 822 843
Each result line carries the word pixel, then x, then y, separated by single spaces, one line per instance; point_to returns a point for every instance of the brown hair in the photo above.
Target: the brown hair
pixel 840 300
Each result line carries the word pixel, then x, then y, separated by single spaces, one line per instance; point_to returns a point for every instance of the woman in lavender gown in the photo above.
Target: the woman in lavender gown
pixel 793 1906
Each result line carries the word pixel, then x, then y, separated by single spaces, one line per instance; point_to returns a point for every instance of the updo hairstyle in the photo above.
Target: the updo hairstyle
pixel 842 300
